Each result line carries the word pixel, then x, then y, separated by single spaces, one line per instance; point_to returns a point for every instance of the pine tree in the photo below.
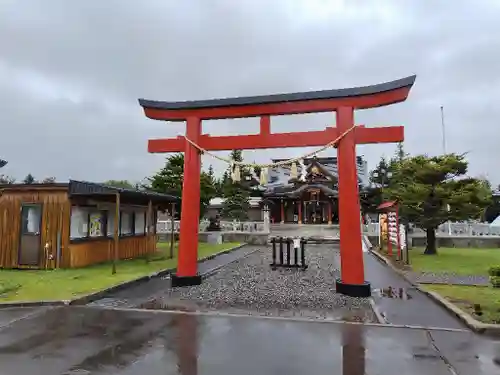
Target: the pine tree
pixel 29 179
pixel 170 178
pixel 400 152
pixel 426 186
pixel 236 197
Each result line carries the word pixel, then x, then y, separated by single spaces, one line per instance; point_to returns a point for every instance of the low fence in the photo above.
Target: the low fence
pixel 226 226
pixel 447 229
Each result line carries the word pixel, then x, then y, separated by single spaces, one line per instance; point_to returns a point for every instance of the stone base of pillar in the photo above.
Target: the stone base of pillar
pixel 179 281
pixel 353 290
pixel 329 222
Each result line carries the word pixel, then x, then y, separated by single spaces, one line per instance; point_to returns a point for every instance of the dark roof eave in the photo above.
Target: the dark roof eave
pixel 82 188
pixel 280 98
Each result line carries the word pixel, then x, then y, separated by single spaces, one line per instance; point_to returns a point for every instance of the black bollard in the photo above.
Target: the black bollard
pixel 303 253
pixel 296 255
pixel 273 242
pixel 288 244
pixel 281 250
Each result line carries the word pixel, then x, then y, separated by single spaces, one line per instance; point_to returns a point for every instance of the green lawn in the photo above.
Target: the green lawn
pixel 456 260
pixel 27 285
pixel 466 296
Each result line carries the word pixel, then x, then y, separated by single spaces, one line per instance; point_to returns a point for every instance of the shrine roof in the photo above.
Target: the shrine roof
pixel 387 205
pixel 281 98
pixel 293 191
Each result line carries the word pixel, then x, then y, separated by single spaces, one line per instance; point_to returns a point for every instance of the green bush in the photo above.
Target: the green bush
pixel 7 287
pixel 494 271
pixel 495 281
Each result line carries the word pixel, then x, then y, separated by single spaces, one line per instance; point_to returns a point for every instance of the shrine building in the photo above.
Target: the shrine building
pixel 309 198
pixel 312 196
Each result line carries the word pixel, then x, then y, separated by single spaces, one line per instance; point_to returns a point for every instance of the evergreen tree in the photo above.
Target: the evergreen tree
pixel 400 152
pixel 380 176
pixel 236 196
pixel 433 190
pixel 5 179
pixel 170 178
pixel 121 184
pixel 29 179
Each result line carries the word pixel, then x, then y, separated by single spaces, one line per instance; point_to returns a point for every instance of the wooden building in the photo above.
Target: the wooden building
pixel 74 224
pixel 311 198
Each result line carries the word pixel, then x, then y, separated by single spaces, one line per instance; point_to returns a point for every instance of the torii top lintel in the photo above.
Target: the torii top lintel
pixel 282 104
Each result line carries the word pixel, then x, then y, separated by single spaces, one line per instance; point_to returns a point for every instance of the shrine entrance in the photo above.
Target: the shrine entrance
pixel 344 137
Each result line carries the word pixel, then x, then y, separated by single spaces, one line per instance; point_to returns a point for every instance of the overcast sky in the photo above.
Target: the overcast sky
pixel 71 73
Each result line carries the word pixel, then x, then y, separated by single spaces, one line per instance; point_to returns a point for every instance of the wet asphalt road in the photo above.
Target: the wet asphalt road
pixel 85 340
pixel 105 340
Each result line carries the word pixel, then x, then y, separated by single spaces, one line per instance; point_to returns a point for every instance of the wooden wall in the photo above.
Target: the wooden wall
pixel 82 254
pixel 55 218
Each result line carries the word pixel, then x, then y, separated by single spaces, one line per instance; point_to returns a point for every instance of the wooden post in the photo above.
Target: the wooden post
pixel 117 231
pixel 282 212
pixel 329 212
pixel 300 211
pixel 172 232
pixel 149 221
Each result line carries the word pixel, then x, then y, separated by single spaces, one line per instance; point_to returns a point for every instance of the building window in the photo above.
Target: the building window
pixel 111 224
pixel 97 224
pixel 126 223
pixel 140 222
pixel 87 222
pixel 79 222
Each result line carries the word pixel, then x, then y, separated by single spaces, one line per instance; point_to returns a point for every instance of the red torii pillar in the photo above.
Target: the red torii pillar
pixel 344 102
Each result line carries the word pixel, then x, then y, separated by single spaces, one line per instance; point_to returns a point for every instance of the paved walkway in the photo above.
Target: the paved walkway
pixel 400 302
pixel 84 340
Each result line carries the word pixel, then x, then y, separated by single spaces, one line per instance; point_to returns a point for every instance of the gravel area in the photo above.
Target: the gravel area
pixel 249 286
pixel 448 278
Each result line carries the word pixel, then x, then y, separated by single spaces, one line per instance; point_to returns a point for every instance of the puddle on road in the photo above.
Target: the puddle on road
pixel 394 293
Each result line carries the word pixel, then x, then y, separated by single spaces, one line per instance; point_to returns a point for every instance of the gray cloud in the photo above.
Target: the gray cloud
pixel 71 73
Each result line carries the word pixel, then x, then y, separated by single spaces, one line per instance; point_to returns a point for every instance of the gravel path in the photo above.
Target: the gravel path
pixel 249 286
pixel 447 278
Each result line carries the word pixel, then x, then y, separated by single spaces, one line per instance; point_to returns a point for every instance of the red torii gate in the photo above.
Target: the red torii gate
pixel 342 101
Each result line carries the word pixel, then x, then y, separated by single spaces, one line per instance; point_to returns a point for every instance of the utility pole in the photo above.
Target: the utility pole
pixel 443 129
pixel 444 153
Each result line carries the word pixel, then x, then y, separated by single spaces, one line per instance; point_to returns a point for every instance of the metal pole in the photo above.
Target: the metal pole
pixel 444 130
pixel 444 152
pixel 172 232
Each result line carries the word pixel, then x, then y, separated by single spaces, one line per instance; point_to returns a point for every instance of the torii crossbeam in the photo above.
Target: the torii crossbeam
pixel 344 102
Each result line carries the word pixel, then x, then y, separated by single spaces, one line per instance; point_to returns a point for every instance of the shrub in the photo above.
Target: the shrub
pixel 494 271
pixel 495 281
pixel 7 287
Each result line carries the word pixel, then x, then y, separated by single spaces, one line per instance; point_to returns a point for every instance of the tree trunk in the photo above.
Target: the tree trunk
pixel 431 249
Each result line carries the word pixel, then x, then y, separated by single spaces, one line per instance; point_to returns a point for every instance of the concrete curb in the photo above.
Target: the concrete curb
pixel 378 314
pixel 6 305
pixel 214 270
pixel 467 319
pixel 102 293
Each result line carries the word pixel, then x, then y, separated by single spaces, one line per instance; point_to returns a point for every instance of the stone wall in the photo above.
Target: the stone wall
pixel 253 238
